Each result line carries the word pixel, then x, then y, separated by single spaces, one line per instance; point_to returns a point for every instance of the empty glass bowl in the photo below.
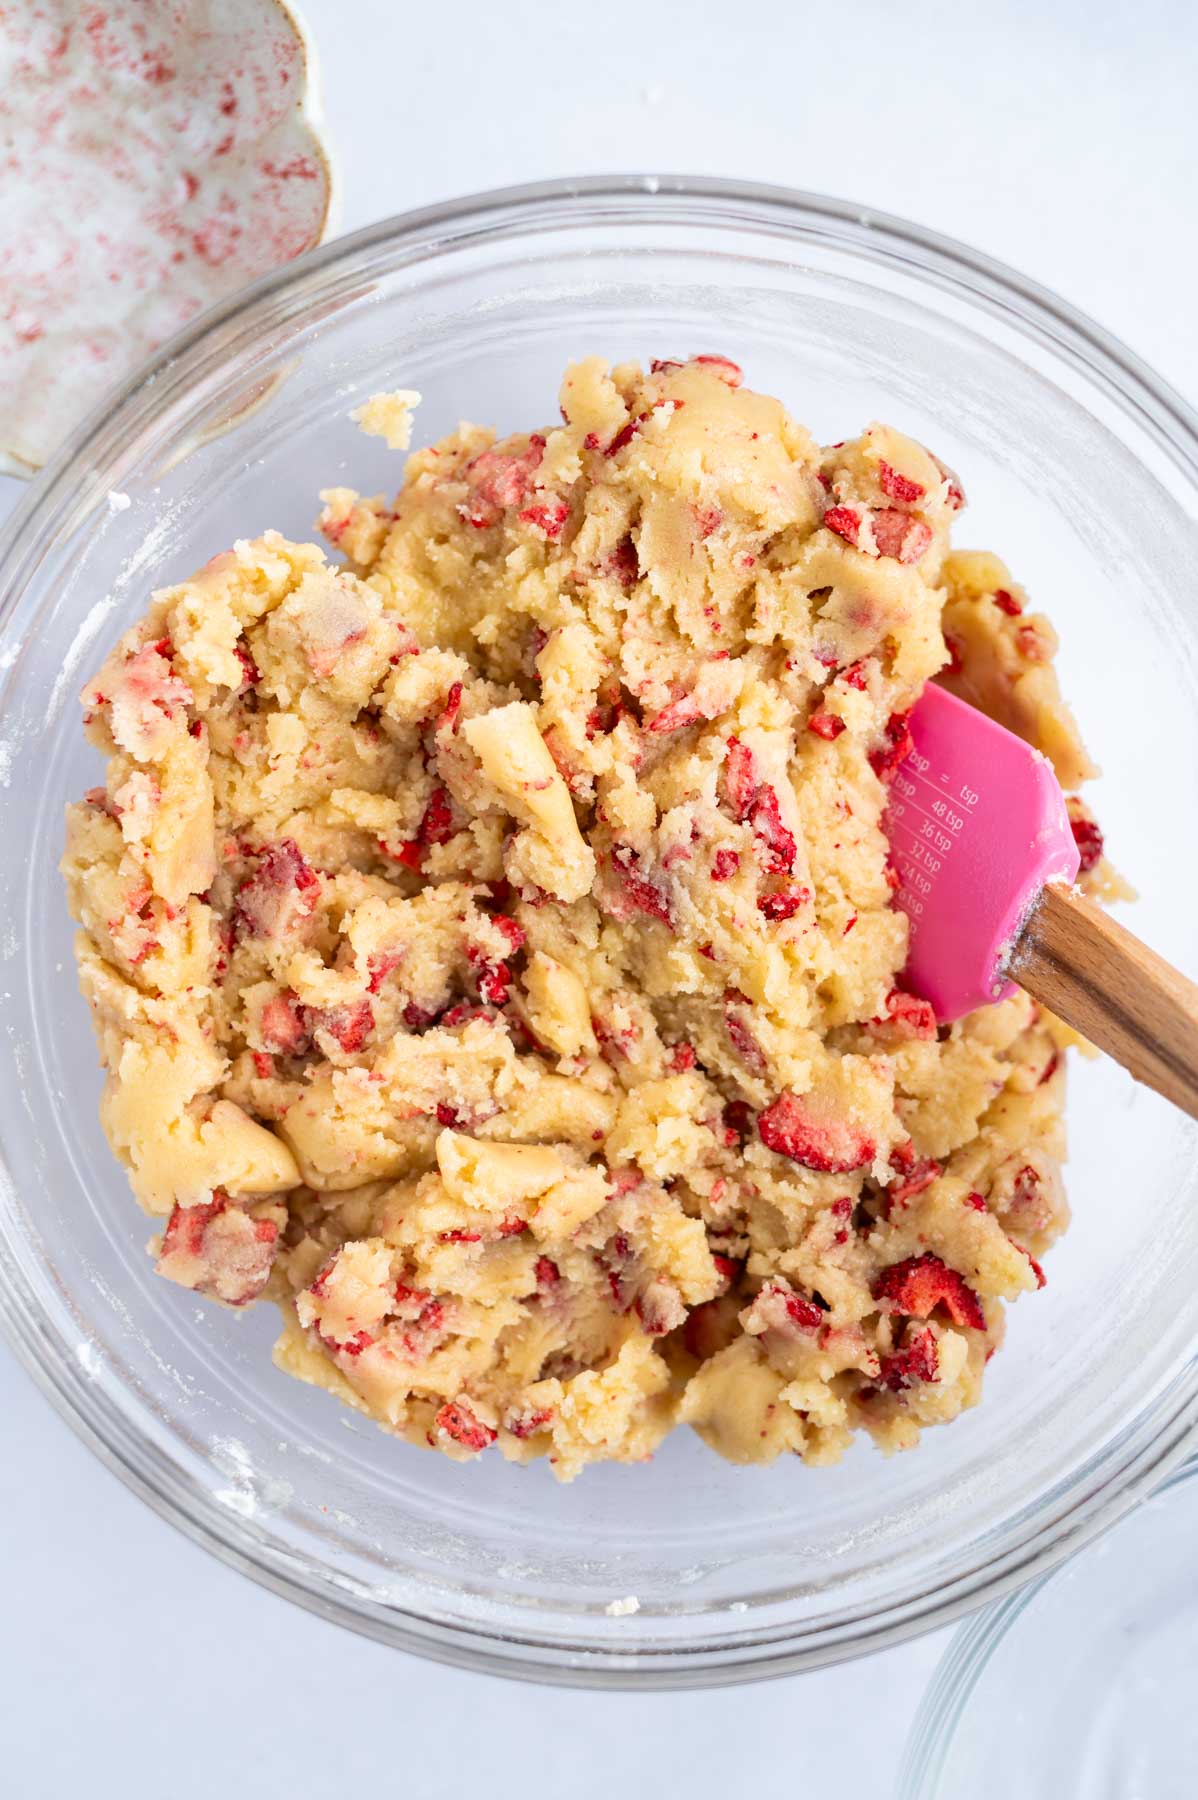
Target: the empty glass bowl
pixel 1082 470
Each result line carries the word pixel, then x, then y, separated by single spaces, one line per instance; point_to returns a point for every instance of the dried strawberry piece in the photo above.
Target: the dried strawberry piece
pixel 899 486
pixel 955 494
pixel 896 746
pixel 777 842
pixel 826 725
pixel 915 1174
pixel 685 710
pixel 217 1249
pixel 707 519
pixel 898 535
pixel 909 1016
pixel 459 1235
pixel 729 372
pixel 283 1027
pixel 855 676
pixel 279 896
pixel 660 1309
pixel 917 1360
pixel 739 1034
pixel 724 865
pixel 778 1308
pixel 784 903
pixel 498 479
pixel 845 521
pixel 264 1065
pixel 350 1026
pixel 1050 1068
pixel 740 779
pixel 547 1272
pixel 379 967
pixel 1037 1271
pixel 251 675
pixel 449 718
pixel 622 563
pixel 682 1058
pixel 1007 603
pixel 1087 835
pixel 976 1202
pixel 547 517
pixel 436 823
pixel 625 435
pixel 918 1285
pixel 639 894
pixel 793 1125
pixel 524 1424
pixel 458 1421
pixel 494 980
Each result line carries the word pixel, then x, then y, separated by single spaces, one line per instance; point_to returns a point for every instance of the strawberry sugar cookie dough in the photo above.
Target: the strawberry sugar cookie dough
pixel 491 947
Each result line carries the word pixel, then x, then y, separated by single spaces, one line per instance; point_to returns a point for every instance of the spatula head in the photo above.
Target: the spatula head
pixel 977 825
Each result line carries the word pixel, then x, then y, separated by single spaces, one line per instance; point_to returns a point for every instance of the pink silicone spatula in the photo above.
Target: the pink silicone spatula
pixel 983 847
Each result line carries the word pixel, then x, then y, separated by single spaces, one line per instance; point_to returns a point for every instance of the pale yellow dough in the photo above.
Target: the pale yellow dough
pixel 490 942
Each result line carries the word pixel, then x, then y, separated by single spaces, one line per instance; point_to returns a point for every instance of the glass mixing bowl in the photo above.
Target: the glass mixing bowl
pixel 1082 469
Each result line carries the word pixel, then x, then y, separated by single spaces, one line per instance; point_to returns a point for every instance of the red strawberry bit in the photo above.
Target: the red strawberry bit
pixel 1028 1210
pixel 845 521
pixel 512 930
pixel 1050 1068
pixel 625 435
pixel 459 1236
pixel 379 967
pixel 917 1360
pixel 546 517
pixel 685 710
pixel 448 1115
pixel 622 564
pixel 740 779
pixel 783 904
pixel 915 1174
pixel 898 535
pixel 493 981
pixel 724 865
pixel 826 725
pixel 638 893
pixel 217 1249
pixel 707 519
pixel 728 1269
pixel 250 673
pixel 547 1272
pixel 792 1126
pixel 1087 835
pixel 275 901
pixel 350 1346
pixel 1007 603
pixel 510 1226
pixel 778 1308
pixel 282 1026
pixel 917 1286
pixel 1037 1271
pixel 264 1065
pixel 524 1424
pixel 897 744
pixel 498 479
pixel 682 1058
pixel 458 1421
pixel 908 1016
pixel 449 718
pixel 778 845
pixel 660 1309
pixel 898 486
pixel 436 824
pixel 976 1201
pixel 419 1018
pixel 955 493
pixel 729 372
pixel 350 1026
pixel 739 1034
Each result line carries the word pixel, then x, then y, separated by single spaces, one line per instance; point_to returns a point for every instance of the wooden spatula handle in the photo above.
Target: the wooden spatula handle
pixel 1114 990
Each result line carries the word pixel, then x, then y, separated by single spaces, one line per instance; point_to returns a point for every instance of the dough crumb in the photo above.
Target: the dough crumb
pixel 388 416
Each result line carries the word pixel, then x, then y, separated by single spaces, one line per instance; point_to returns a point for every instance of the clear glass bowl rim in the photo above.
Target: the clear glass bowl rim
pixel 1144 1453
pixel 961 1669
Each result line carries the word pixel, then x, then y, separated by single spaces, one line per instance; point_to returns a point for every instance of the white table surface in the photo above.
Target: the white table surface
pixel 1060 135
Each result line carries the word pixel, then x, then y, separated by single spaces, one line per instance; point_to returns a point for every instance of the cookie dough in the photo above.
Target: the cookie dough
pixel 490 942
